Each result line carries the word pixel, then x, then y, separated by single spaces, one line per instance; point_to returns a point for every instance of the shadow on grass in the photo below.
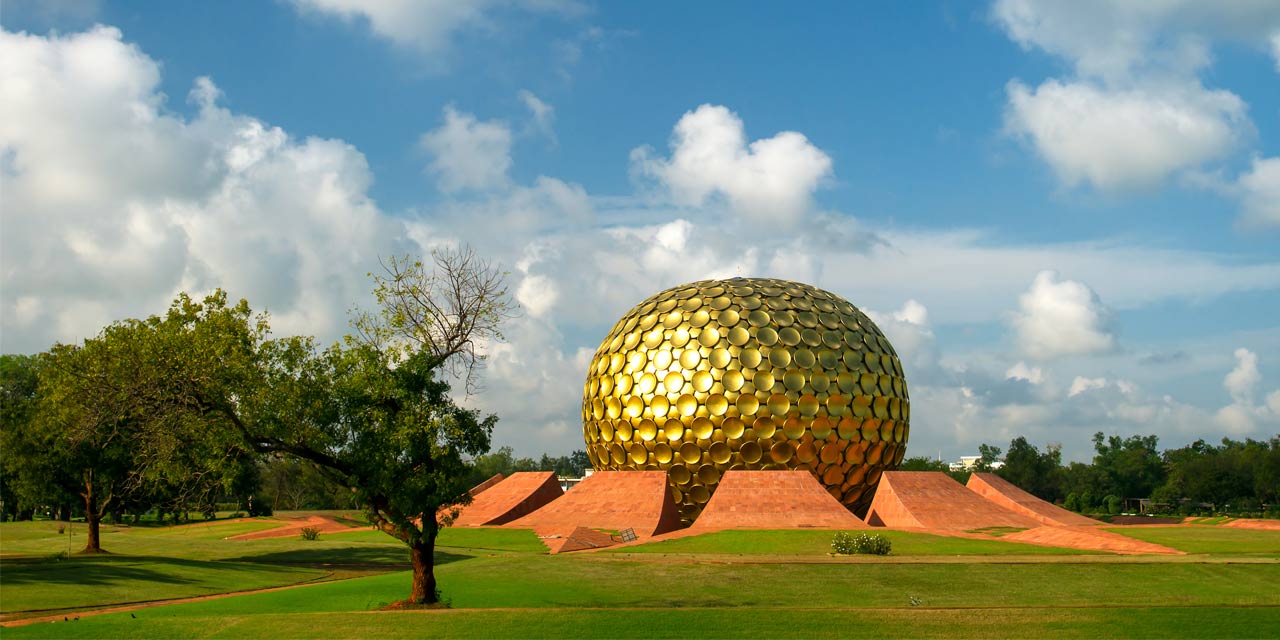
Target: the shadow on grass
pixel 385 555
pixel 108 570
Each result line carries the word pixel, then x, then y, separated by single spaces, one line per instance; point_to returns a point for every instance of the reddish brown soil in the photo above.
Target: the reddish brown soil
pixel 614 500
pixel 1088 537
pixel 773 500
pixel 514 497
pixel 1007 495
pixel 294 526
pixel 1247 523
pixel 933 500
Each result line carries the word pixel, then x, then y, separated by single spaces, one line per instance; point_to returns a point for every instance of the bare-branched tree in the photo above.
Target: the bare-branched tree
pixel 450 310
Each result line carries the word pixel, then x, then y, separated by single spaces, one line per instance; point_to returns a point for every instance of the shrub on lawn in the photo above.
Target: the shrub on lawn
pixel 310 533
pixel 865 543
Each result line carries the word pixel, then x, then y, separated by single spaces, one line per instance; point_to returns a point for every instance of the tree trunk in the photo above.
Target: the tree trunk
pixel 93 519
pixel 424 576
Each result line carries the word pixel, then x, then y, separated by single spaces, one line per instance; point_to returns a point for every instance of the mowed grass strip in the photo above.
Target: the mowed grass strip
pixel 1208 539
pixel 818 542
pixel 1137 623
pixel 567 581
pixel 101 580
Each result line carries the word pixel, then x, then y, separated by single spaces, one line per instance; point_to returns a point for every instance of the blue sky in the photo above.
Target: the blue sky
pixel 1066 216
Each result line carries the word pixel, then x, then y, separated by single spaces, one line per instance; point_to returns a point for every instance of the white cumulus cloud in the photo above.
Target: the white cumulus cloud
pixel 543 115
pixel 1135 111
pixel 1061 317
pixel 1020 371
pixel 1124 139
pixel 425 26
pixel 468 153
pixel 770 180
pixel 113 203
pixel 1082 384
pixel 1260 192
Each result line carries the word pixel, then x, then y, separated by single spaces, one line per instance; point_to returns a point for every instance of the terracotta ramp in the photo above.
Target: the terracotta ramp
pixel 1007 495
pixel 932 500
pixel 493 479
pixel 516 496
pixel 773 500
pixel 614 500
pixel 1087 537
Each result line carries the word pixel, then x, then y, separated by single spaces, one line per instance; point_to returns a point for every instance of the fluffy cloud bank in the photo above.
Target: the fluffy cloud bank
pixel 1061 317
pixel 1135 112
pixel 468 154
pixel 220 198
pixel 1125 139
pixel 768 180
pixel 425 26
pixel 113 203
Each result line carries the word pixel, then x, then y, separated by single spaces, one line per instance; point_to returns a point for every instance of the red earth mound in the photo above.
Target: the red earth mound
pixel 615 500
pixel 518 495
pixel 773 500
pixel 1004 493
pixel 294 526
pixel 932 500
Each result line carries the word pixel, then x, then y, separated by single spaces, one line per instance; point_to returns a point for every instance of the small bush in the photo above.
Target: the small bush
pixel 310 533
pixel 1113 504
pixel 864 543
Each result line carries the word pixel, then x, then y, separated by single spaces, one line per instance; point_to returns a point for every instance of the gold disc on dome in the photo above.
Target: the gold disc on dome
pixel 701 428
pixel 733 428
pixel 732 380
pixel 762 380
pixel 764 427
pixel 767 336
pixel 720 453
pixel 662 453
pixel 690 453
pixel 674 429
pixel 719 358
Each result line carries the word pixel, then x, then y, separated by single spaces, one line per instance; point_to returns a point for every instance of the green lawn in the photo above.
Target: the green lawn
pixel 1209 539
pixel 102 580
pixel 816 542
pixel 501 583
pixel 579 597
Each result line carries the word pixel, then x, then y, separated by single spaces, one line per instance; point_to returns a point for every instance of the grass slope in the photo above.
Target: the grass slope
pixel 818 542
pixel 1209 539
pixel 770 584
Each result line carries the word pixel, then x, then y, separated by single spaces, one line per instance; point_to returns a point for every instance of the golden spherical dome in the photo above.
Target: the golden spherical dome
pixel 747 373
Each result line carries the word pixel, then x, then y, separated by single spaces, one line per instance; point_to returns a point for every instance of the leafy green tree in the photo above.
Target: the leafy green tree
pixel 1072 503
pixel 375 413
pixel 29 467
pixel 988 455
pixel 1129 467
pixel 1037 473
pixel 87 423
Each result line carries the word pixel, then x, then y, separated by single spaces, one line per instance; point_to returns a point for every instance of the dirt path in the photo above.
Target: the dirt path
pixel 147 604
pixel 294 526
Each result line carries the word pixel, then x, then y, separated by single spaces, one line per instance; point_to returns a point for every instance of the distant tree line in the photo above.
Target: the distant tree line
pixel 1234 477
pixel 503 461
pixel 47 462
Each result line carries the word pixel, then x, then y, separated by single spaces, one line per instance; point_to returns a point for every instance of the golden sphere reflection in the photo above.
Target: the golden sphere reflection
pixel 747 373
